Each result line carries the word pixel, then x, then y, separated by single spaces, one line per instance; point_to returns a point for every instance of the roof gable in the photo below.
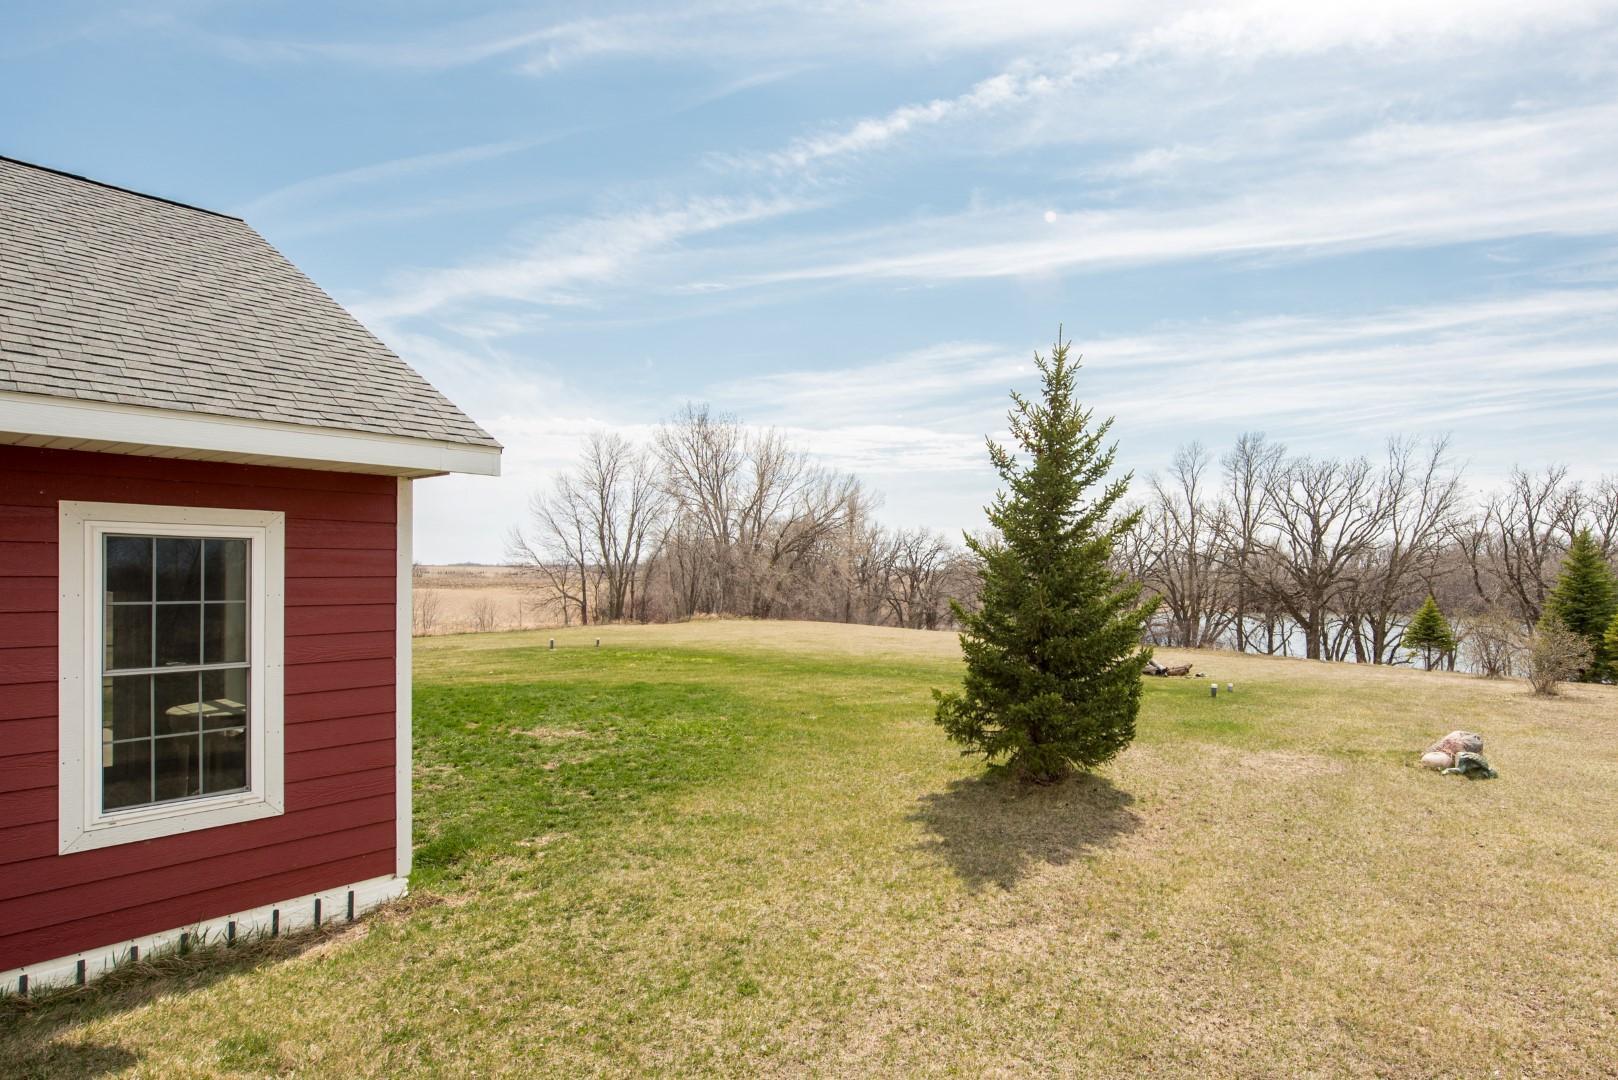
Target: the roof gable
pixel 111 296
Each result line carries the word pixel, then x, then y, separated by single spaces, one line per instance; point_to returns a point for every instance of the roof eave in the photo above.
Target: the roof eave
pixel 77 424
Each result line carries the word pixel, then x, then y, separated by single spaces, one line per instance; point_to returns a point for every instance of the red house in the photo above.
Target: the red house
pixel 205 479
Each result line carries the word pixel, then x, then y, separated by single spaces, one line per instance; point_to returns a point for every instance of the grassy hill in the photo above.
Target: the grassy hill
pixel 743 848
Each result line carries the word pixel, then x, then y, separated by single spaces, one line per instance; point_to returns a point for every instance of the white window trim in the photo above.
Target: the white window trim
pixel 83 825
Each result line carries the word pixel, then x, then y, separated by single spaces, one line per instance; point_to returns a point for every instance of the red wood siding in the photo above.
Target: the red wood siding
pixel 339 709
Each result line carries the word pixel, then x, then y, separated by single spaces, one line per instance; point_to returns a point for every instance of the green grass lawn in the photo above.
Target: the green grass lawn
pixel 745 849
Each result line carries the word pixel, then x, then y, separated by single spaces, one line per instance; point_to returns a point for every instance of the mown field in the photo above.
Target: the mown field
pixel 743 849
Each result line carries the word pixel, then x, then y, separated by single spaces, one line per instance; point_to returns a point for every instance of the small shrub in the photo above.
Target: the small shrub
pixel 1555 655
pixel 1493 645
pixel 425 612
pixel 484 616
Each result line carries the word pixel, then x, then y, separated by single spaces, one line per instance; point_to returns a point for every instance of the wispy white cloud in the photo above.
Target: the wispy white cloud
pixel 316 188
pixel 533 45
pixel 1069 46
pixel 591 251
pixel 1233 30
pixel 887 390
pixel 1524 369
pixel 1333 381
pixel 1159 161
pixel 1397 186
pixel 872 133
pixel 450 46
pixel 1236 30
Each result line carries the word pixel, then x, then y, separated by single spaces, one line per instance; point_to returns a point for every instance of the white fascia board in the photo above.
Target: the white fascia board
pixel 110 424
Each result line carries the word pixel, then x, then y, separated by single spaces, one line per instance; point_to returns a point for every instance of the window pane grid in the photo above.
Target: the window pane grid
pixel 177 669
pixel 192 738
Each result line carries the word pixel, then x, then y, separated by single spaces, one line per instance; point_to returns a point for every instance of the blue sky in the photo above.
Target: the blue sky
pixel 1329 222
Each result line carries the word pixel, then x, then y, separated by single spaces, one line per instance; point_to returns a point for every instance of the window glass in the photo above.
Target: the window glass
pixel 224 760
pixel 175 703
pixel 224 633
pixel 225 569
pixel 126 708
pixel 175 668
pixel 176 770
pixel 177 635
pixel 128 636
pixel 126 775
pixel 129 569
pixel 224 698
pixel 179 568
pixel 224 729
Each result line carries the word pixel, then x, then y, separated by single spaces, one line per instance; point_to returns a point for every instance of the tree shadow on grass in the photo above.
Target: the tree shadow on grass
pixel 994 829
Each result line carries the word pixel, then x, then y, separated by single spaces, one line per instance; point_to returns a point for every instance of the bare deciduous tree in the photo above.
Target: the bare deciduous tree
pixel 424 611
pixel 626 509
pixel 756 508
pixel 484 615
pixel 1336 554
pixel 703 458
pixel 1528 527
pixel 719 518
pixel 557 554
pixel 1492 643
pixel 1275 553
pixel 1245 467
pixel 920 583
pixel 1182 549
pixel 591 534
pixel 1420 499
pixel 1325 516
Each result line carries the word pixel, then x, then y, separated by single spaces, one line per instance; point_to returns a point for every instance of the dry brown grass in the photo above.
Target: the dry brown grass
pixel 464 596
pixel 1263 885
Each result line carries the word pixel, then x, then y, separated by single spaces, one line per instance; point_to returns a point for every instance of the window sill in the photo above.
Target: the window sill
pixel 151 823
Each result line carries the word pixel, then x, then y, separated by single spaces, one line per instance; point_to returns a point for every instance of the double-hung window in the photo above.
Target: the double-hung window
pixel 171 624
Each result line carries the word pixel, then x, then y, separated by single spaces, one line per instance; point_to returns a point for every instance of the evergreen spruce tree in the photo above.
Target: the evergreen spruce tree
pixel 1429 632
pixel 1054 655
pixel 1585 600
pixel 1610 642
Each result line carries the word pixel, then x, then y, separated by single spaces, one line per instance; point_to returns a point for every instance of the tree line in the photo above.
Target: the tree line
pixel 712 517
pixel 1330 558
pixel 1257 549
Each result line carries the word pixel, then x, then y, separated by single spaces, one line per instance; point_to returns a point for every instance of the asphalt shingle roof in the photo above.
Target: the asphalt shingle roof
pixel 109 295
